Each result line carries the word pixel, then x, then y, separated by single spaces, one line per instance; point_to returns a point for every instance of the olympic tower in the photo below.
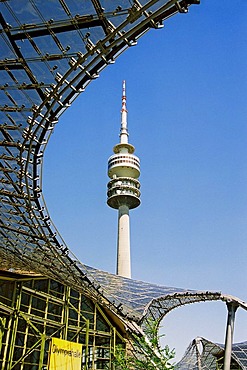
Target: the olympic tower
pixel 123 190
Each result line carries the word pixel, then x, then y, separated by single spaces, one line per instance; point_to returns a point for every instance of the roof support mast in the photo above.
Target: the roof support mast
pixel 231 308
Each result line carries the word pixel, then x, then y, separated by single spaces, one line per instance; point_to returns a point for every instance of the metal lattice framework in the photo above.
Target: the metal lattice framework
pixel 45 63
pixel 203 354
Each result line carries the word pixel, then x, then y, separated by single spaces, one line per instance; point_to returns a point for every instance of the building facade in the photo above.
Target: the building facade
pixel 35 309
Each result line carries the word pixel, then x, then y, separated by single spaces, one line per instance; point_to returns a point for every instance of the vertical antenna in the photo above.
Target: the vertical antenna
pixel 124 130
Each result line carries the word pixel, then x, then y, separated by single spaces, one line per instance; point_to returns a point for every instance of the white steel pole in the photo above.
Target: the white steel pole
pixel 231 307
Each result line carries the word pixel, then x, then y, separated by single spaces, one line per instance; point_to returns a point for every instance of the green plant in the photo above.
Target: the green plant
pixel 146 353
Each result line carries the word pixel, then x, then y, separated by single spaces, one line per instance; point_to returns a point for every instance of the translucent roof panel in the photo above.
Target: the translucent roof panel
pixel 207 355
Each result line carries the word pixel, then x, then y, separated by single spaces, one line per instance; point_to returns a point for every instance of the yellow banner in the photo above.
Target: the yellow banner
pixel 65 355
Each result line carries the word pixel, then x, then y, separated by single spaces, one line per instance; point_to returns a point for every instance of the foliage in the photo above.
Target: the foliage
pixel 146 353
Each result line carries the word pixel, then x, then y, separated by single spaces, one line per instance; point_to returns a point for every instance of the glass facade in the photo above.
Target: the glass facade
pixel 35 309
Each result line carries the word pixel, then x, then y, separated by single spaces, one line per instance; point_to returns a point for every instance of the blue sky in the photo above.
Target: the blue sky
pixel 186 98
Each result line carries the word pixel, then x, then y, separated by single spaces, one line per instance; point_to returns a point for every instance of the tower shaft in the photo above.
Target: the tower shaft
pixel 123 242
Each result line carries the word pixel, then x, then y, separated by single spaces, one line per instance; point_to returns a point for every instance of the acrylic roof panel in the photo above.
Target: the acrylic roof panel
pixel 240 353
pixel 207 353
pixel 49 52
pixel 139 300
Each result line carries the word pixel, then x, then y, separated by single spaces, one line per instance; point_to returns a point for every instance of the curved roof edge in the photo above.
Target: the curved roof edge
pixel 159 307
pixel 137 301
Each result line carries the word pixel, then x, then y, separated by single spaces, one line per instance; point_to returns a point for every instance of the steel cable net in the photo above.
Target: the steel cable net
pixel 202 354
pixel 50 51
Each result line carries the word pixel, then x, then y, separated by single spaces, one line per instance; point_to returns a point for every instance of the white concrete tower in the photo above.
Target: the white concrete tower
pixel 123 190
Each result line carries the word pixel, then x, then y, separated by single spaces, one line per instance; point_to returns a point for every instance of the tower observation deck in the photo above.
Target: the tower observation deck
pixel 123 189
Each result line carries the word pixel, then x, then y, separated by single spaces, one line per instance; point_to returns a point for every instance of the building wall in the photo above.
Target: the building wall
pixel 35 309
